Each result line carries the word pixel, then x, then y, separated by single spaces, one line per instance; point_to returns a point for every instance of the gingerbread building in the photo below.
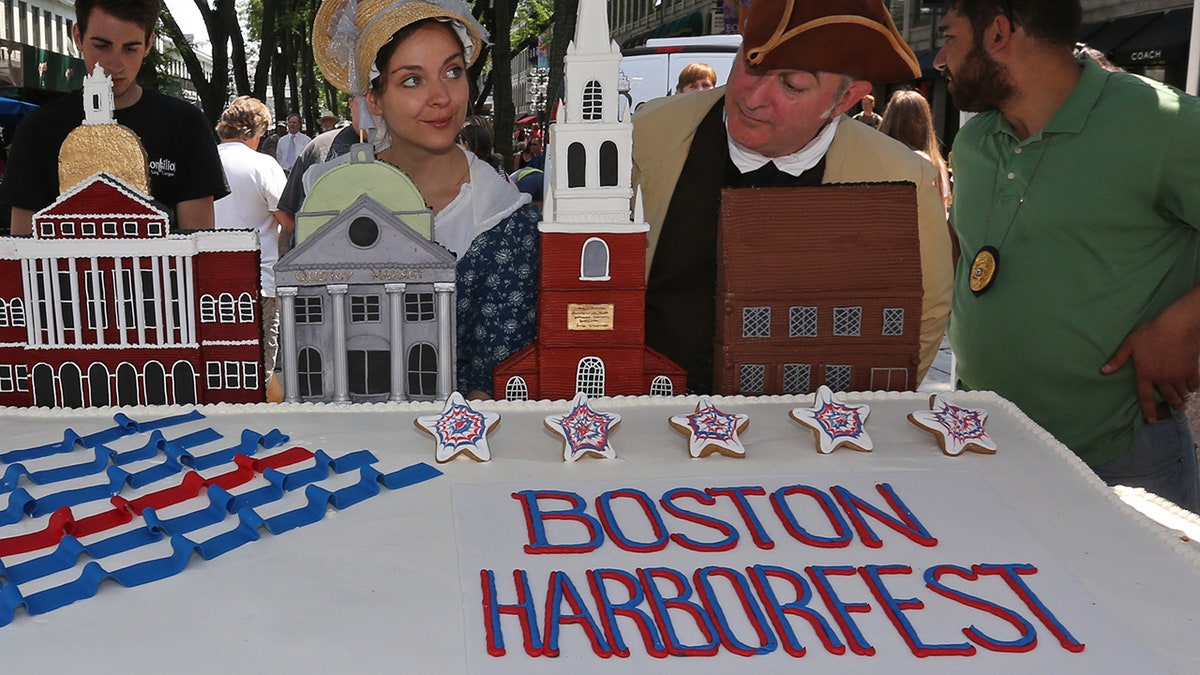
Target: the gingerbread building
pixel 104 307
pixel 367 299
pixel 834 300
pixel 591 296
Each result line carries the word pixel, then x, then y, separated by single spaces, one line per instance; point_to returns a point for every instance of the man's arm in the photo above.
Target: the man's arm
pixel 287 227
pixel 196 214
pixel 1166 355
pixel 937 266
pixel 21 223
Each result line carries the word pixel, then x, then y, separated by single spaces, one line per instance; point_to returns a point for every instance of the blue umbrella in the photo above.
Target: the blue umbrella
pixel 13 111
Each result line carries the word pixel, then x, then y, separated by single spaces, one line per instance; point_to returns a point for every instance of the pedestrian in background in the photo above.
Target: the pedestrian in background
pixel 868 116
pixel 291 143
pixel 908 119
pixel 270 140
pixel 696 77
pixel 255 183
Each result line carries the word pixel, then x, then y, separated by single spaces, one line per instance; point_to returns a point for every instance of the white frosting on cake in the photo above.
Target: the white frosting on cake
pixel 393 583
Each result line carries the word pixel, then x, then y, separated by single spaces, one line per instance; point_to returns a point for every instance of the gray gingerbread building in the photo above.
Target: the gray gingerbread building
pixel 367 301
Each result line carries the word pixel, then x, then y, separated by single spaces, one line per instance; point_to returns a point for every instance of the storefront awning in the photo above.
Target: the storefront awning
pixel 528 119
pixel 1110 35
pixel 1090 29
pixel 925 59
pixel 1164 40
pixel 13 111
pixel 690 24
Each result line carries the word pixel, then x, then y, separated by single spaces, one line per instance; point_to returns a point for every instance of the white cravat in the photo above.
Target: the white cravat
pixel 798 162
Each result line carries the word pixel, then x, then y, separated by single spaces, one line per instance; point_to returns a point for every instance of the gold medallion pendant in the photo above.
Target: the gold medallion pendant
pixel 983 269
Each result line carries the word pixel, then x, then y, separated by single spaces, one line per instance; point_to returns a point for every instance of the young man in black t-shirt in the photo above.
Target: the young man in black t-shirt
pixel 185 170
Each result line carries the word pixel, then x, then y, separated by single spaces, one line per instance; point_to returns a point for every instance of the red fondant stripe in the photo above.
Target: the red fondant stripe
pixel 62 521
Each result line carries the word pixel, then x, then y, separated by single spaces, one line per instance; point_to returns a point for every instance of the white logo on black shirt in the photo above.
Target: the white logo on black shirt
pixel 162 167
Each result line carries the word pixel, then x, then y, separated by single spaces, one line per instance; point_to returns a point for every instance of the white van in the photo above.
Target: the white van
pixel 653 70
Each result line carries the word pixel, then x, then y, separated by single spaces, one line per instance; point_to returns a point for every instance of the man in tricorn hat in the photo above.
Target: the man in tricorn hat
pixel 778 122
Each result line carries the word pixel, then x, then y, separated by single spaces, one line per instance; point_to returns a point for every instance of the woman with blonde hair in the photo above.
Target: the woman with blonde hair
pixel 408 60
pixel 909 120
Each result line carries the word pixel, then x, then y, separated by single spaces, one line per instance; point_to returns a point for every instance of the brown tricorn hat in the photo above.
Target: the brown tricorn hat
pixel 852 37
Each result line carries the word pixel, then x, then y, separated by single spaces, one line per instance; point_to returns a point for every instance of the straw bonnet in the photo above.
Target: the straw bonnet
pixel 347 34
pixel 851 37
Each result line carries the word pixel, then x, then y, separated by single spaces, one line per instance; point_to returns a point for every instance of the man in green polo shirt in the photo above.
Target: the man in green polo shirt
pixel 1077 203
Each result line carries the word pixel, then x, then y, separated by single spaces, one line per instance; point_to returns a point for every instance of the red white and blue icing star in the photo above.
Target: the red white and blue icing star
pixel 835 422
pixel 584 431
pixel 710 430
pixel 460 429
pixel 957 429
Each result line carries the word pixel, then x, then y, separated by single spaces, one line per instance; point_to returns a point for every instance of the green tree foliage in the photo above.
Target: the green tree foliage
pixel 256 43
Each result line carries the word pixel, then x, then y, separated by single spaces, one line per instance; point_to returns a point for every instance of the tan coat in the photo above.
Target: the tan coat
pixel 662 137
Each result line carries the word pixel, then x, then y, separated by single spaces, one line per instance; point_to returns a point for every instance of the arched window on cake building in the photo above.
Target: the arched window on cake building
pixel 183 383
pixel 16 312
pixel 608 163
pixel 70 382
pixel 3 314
pixel 245 308
pixel 593 261
pixel 422 370
pixel 208 308
pixel 576 165
pixel 127 384
pixel 43 386
pixel 98 389
pixel 593 101
pixel 155 377
pixel 308 372
pixel 516 389
pixel 227 307
pixel 589 376
pixel 661 386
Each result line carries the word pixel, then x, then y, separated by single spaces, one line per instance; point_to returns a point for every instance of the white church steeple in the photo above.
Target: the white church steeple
pixel 588 167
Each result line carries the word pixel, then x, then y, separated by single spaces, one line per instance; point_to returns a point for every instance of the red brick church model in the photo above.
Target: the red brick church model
pixel 591 302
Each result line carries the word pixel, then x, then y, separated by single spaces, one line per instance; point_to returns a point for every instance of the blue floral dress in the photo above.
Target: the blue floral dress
pixel 497 297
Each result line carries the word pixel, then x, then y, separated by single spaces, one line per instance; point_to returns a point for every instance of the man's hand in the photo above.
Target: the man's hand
pixel 1166 355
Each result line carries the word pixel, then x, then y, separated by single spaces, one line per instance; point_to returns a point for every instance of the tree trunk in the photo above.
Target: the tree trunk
pixel 502 102
pixel 266 49
pixel 308 76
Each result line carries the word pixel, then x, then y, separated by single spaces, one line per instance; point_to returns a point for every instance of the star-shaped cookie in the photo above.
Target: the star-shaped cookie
pixel 584 431
pixel 710 430
pixel 957 429
pixel 459 429
pixel 835 423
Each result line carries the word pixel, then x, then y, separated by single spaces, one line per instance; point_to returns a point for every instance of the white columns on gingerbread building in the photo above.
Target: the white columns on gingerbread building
pixel 446 356
pixel 337 317
pixel 287 343
pixel 395 293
